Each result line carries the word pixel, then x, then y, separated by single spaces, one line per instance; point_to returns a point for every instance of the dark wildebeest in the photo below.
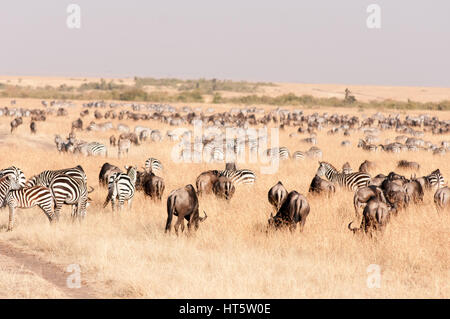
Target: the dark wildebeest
pixel 153 186
pixel 33 127
pixel 277 195
pixel 224 188
pixel 378 180
pixel 105 172
pixel 414 190
pixel 395 193
pixel 319 185
pixel 78 124
pixel 205 182
pixel 132 137
pixel 15 123
pixel 112 140
pixel 366 166
pixel 294 210
pixel 364 194
pixel 408 165
pixel 230 166
pixel 442 198
pixel 183 202
pixel 84 113
pixel 376 215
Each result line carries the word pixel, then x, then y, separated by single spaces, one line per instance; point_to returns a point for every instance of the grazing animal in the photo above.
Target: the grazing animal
pixel 414 190
pixel 91 149
pixel 277 195
pixel 364 194
pixel 77 125
pixel 230 166
pixel 15 172
pixel 15 123
pixel 46 177
pixel 205 182
pixel 366 146
pixel 351 181
pixel 121 186
pixel 346 168
pixel 123 146
pixel 434 180
pixel 378 180
pixel 240 176
pixel 366 166
pixel 224 188
pixel 408 165
pixel 376 215
pixel 294 210
pixel 25 197
pixel 105 173
pixel 442 198
pixel 183 202
pixel 112 140
pixel 153 186
pixel 319 185
pixel 395 193
pixel 33 127
pixel 153 165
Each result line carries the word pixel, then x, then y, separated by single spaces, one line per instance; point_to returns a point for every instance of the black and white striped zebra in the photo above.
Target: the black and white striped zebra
pixel 298 155
pixel 70 191
pixel 121 187
pixel 240 176
pixel 435 179
pixel 25 197
pixel 351 181
pixel 46 177
pixel 153 165
pixel 91 149
pixel 281 152
pixel 16 173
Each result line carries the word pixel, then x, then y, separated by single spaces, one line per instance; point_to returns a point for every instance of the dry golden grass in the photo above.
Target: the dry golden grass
pixel 231 255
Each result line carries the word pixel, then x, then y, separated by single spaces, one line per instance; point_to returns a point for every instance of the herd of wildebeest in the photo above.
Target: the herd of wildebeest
pixel 376 197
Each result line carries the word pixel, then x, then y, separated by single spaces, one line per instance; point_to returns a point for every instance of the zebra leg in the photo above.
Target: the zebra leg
pixel 11 217
pixel 58 207
pixel 130 203
pixel 48 211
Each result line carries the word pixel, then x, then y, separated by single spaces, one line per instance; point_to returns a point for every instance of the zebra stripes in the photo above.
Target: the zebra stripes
pixel 25 197
pixel 46 177
pixel 91 149
pixel 153 164
pixel 16 173
pixel 69 191
pixel 435 179
pixel 240 176
pixel 122 187
pixel 351 181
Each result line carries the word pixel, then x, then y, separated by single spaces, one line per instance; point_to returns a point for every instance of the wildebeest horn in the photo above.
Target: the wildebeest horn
pixel 92 189
pixel 203 218
pixel 89 199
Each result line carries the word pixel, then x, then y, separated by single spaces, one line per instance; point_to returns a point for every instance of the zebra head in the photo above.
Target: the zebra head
pixel 132 173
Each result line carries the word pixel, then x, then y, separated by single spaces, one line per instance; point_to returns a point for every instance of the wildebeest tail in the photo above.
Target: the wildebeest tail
pixel 170 211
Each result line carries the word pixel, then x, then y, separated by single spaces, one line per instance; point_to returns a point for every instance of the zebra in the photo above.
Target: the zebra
pixel 93 148
pixel 121 186
pixel 240 176
pixel 69 191
pixel 46 177
pixel 16 173
pixel 25 197
pixel 351 181
pixel 281 152
pixel 298 155
pixel 153 164
pixel 366 146
pixel 123 146
pixel 435 179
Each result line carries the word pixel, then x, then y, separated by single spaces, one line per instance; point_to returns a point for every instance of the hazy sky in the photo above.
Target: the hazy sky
pixel 315 41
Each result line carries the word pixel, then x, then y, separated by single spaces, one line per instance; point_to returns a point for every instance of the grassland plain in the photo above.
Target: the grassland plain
pixel 231 256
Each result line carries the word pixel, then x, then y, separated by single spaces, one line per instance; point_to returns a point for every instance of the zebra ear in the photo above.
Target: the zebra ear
pixel 126 167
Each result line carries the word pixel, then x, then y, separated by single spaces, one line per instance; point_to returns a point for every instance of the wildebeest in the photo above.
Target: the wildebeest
pixel 183 202
pixel 346 168
pixel 376 215
pixel 319 185
pixel 408 165
pixel 442 198
pixel 414 190
pixel 132 137
pixel 78 124
pixel 277 194
pixel 378 180
pixel 364 194
pixel 366 166
pixel 15 123
pixel 294 210
pixel 395 193
pixel 33 127
pixel 153 186
pixel 230 166
pixel 224 188
pixel 112 140
pixel 105 172
pixel 205 182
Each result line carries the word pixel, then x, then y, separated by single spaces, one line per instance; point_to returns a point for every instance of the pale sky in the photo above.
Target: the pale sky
pixel 315 41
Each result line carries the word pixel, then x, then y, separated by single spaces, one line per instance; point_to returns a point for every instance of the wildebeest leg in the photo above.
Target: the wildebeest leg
pixel 180 221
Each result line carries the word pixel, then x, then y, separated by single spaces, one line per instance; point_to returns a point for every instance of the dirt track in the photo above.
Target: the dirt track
pixel 13 258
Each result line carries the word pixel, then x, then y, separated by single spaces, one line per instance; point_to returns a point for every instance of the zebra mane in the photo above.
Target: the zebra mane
pixel 328 165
